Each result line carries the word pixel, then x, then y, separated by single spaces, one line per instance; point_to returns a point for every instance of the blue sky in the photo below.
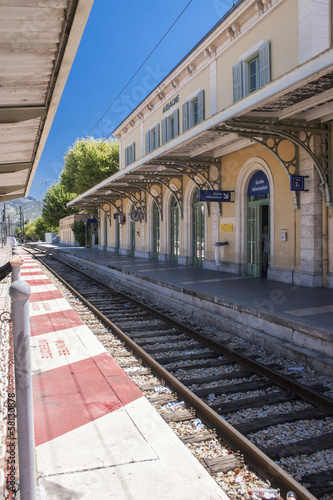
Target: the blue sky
pixel 118 37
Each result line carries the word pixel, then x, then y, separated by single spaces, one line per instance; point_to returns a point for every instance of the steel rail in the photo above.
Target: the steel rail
pixel 254 457
pixel 279 379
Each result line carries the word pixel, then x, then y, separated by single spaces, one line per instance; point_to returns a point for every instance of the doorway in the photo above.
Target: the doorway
pixel 156 232
pixel 198 239
pixel 174 230
pixel 117 235
pixel 132 238
pixel 258 244
pixel 258 225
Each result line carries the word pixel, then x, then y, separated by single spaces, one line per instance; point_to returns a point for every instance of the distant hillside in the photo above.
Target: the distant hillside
pixel 31 208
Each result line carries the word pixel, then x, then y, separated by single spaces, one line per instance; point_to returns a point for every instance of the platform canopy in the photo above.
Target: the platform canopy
pixel 38 43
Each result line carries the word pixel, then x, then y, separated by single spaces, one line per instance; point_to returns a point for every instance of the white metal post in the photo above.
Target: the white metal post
pixel 16 270
pixel 20 292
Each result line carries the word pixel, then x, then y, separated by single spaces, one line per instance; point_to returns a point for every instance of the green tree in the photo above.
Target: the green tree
pixel 41 228
pixel 36 229
pixel 79 231
pixel 54 207
pixel 88 162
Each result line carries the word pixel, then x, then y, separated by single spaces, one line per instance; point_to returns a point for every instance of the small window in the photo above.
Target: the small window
pixel 251 74
pixel 130 154
pixel 170 127
pixel 194 111
pixel 153 138
pixel 253 67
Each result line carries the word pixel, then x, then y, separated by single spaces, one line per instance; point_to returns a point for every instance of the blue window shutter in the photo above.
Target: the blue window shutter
pixel 201 106
pixel 133 153
pixel 176 122
pixel 164 131
pixel 185 116
pixel 169 132
pixel 147 142
pixel 245 79
pixel 264 62
pixel 126 157
pixel 157 136
pixel 237 77
pixel 190 112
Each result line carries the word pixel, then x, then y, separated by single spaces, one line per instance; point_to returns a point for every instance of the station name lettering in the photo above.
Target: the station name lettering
pixel 62 349
pixel 171 103
pixel 45 349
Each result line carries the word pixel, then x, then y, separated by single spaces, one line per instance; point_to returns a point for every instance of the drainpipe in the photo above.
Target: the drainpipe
pixel 325 241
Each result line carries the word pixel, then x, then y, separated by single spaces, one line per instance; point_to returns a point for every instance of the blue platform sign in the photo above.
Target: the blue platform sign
pixel 297 182
pixel 258 184
pixel 211 195
pixel 92 221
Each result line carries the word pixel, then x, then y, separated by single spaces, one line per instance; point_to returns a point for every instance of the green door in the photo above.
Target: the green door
pixel 105 231
pixel 117 236
pixel 257 219
pixel 198 220
pixel 132 238
pixel 174 217
pixel 156 233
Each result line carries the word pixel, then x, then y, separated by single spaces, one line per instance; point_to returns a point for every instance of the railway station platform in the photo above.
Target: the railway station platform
pixel 5 254
pixel 291 320
pixel 96 435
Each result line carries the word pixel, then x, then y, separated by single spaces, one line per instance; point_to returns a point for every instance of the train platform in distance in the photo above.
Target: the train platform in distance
pixel 282 317
pixel 96 435
pixel 5 254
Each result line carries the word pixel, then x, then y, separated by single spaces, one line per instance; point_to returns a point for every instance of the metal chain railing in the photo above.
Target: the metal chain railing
pixel 8 433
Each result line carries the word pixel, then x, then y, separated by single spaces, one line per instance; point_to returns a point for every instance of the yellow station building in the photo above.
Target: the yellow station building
pixel 227 163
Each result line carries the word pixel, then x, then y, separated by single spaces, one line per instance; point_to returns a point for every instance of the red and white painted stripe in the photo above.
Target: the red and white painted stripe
pixel 75 379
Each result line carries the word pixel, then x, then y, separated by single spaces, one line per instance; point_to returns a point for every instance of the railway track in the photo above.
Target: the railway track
pixel 251 405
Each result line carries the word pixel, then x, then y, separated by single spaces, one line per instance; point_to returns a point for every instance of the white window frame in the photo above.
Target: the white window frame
pixel 241 69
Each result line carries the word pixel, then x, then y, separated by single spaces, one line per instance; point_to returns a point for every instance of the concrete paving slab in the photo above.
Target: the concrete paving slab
pixel 45 348
pixel 113 439
pixel 50 306
pixel 136 457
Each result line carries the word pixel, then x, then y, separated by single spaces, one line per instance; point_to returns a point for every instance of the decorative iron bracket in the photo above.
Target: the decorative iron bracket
pixel 107 211
pixel 199 171
pixel 132 196
pixel 149 181
pixel 148 188
pixel 271 134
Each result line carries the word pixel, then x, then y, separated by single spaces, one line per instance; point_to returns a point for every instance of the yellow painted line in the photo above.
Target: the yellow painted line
pixel 215 280
pixel 311 310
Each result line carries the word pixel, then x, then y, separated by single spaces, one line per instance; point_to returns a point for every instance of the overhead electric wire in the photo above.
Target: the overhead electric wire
pixel 127 84
pixel 46 183
pixel 137 71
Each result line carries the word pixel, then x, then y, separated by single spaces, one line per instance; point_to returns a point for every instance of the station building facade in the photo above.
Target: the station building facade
pixel 227 163
pixel 66 235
